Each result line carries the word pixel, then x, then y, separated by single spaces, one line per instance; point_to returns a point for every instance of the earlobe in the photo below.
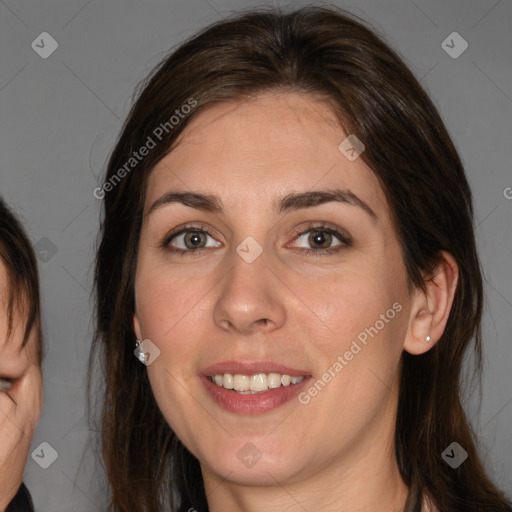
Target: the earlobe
pixel 431 308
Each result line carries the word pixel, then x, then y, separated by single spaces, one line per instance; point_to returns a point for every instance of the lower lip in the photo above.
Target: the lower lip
pixel 257 403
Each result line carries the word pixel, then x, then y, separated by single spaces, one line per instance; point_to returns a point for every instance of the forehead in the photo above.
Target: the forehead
pixel 263 148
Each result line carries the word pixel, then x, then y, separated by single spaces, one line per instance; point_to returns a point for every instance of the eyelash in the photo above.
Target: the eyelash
pixel 345 241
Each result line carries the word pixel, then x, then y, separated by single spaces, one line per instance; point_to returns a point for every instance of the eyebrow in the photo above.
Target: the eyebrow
pixel 290 202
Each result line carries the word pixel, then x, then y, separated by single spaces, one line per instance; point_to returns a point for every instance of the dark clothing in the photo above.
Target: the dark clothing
pixel 22 502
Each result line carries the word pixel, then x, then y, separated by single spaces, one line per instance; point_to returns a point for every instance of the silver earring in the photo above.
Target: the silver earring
pixel 139 354
pixel 427 339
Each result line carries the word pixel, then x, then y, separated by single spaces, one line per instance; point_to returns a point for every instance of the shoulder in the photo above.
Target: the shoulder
pixel 22 502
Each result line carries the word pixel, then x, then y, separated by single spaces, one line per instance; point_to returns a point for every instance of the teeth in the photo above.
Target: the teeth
pixel 274 380
pixel 258 382
pixel 227 381
pixel 241 382
pixel 250 384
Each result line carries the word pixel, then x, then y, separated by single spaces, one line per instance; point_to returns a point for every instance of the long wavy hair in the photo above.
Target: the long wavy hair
pixel 333 55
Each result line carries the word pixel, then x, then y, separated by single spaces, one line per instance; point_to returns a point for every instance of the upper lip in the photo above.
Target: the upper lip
pixel 251 368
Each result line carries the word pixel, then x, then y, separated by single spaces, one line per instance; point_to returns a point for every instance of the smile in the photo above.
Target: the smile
pixel 253 384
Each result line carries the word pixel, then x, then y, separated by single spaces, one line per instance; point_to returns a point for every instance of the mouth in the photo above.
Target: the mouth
pixel 252 388
pixel 254 384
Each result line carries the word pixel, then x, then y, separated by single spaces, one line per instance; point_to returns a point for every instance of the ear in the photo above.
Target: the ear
pixel 430 309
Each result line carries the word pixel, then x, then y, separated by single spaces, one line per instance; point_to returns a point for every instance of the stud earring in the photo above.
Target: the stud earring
pixel 139 353
pixel 427 339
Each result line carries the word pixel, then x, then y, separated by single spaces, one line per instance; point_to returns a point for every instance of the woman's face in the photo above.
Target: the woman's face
pixel 263 298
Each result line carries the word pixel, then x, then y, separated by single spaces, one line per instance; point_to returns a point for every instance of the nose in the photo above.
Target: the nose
pixel 250 298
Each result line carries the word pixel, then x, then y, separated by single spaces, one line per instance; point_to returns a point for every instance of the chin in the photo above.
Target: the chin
pixel 245 464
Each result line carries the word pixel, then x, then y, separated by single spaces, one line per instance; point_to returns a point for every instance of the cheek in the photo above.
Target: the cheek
pixel 348 304
pixel 165 302
pixel 356 335
pixel 169 312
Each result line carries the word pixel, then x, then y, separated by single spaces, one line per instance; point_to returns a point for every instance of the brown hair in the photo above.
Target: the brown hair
pixel 18 256
pixel 331 54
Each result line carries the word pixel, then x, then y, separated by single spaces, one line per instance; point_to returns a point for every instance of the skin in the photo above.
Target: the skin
pixel 20 406
pixel 337 452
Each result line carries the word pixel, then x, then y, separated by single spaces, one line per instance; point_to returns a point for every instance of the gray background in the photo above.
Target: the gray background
pixel 60 118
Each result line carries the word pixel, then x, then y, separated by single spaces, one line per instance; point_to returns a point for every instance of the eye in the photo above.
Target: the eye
pixel 187 239
pixel 321 237
pixel 6 384
pixel 193 239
